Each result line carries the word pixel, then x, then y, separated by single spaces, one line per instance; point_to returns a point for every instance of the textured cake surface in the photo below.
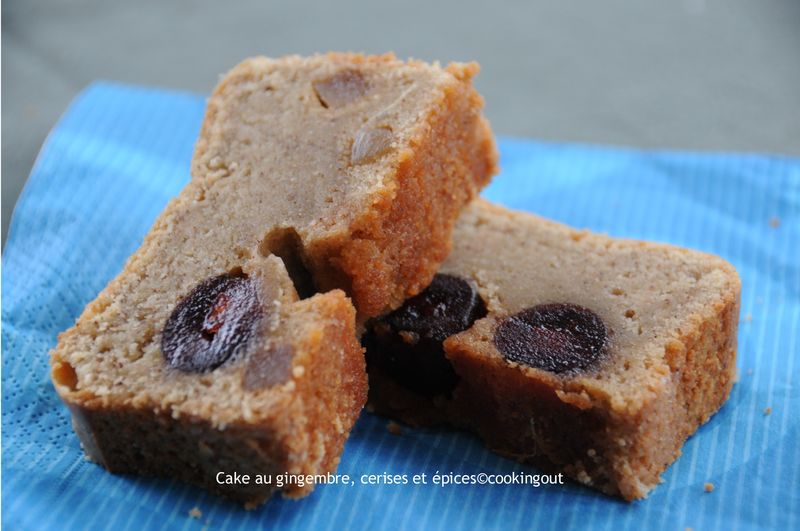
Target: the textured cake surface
pixel 311 175
pixel 668 317
pixel 369 160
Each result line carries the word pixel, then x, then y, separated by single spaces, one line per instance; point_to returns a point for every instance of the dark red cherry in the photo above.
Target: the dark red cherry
pixel 407 343
pixel 211 324
pixel 553 337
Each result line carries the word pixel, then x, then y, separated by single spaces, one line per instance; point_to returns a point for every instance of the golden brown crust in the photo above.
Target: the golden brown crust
pixel 395 249
pixel 702 362
pixel 338 387
pixel 702 366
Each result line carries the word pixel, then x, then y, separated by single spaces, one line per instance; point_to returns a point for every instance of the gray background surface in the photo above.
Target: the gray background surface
pixel 685 74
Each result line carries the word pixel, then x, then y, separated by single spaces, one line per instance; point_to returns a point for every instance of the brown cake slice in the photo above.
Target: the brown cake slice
pixel 586 354
pixel 206 354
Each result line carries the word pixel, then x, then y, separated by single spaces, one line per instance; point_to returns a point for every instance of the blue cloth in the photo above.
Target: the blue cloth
pixel 119 153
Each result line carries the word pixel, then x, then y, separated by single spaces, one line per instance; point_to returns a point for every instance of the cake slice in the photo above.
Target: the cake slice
pixel 593 356
pixel 244 378
pixel 228 344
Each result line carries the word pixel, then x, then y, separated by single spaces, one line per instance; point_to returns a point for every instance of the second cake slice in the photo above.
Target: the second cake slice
pixel 590 355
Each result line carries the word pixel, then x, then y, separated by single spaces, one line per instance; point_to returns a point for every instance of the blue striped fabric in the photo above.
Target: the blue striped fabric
pixel 118 155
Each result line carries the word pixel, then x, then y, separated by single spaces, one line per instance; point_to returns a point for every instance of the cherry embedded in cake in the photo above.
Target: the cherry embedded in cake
pixel 593 356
